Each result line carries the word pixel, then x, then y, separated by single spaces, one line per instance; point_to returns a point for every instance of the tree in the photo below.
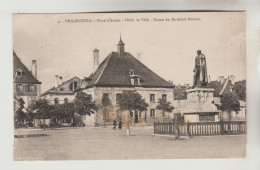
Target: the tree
pixel 68 110
pixel 164 106
pixel 84 105
pixel 229 102
pixel 56 113
pixel 240 90
pixel 63 111
pixel 143 107
pixel 106 103
pixel 132 101
pixel 19 115
pixel 42 109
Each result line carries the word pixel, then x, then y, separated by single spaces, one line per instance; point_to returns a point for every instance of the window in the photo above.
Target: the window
pixel 73 85
pixel 119 114
pixel 56 101
pixel 19 72
pixel 132 72
pixel 152 113
pixel 164 97
pixel 136 81
pixel 131 114
pixel 118 96
pixel 105 95
pixel 61 89
pixel 25 88
pixel 19 88
pixel 66 100
pixel 152 97
pixel 32 88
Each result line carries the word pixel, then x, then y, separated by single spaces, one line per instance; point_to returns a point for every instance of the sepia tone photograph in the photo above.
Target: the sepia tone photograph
pixel 129 86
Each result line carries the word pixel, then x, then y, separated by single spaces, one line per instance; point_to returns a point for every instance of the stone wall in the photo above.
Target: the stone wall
pixel 144 117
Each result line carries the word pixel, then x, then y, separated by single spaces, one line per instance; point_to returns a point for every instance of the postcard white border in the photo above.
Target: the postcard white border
pixel 65 6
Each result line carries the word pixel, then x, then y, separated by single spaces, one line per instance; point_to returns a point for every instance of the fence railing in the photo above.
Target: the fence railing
pixel 200 128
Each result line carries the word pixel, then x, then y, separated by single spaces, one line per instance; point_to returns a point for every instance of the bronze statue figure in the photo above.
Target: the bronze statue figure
pixel 200 71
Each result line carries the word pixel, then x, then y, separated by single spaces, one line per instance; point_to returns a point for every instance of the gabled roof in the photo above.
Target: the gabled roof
pixel 220 88
pixel 27 76
pixel 56 90
pixel 114 72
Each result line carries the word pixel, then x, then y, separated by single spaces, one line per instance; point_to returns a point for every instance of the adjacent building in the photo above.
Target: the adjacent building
pixel 120 71
pixel 62 91
pixel 207 110
pixel 25 82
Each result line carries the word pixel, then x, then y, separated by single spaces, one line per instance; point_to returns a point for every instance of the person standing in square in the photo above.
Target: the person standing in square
pixel 114 123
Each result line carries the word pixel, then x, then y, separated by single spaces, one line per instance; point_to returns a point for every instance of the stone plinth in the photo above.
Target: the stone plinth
pixel 200 99
pixel 200 103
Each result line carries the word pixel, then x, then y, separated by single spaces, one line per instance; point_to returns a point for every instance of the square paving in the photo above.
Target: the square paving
pixel 106 144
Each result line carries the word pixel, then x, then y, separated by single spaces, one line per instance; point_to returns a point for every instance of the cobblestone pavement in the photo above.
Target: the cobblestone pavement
pixel 105 143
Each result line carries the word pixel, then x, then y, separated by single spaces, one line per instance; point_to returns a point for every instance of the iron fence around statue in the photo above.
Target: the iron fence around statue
pixel 200 128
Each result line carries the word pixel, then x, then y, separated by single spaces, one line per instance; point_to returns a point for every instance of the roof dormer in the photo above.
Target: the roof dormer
pixel 19 73
pixel 134 79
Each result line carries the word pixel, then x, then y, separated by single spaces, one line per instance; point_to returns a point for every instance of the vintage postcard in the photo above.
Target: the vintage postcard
pixel 126 86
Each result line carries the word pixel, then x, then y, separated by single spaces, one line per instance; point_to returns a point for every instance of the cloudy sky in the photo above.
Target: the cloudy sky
pixel 167 47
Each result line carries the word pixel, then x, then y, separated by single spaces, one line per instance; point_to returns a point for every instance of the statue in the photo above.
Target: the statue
pixel 200 71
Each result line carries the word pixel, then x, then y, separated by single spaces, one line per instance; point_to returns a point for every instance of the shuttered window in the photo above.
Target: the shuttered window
pixel 152 97
pixel 164 97
pixel 19 88
pixel 152 113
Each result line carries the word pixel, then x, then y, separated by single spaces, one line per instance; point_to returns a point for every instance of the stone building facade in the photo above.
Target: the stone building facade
pixel 62 92
pixel 122 71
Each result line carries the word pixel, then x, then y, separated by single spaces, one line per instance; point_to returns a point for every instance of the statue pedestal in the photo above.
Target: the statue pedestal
pixel 199 106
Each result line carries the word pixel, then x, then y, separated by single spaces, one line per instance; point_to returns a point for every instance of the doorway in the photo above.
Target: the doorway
pixel 136 117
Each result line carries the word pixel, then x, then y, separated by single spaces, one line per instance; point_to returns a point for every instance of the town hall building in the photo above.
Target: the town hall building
pixel 120 71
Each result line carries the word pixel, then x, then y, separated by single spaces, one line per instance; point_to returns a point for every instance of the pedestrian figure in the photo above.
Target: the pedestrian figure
pixel 120 124
pixel 114 123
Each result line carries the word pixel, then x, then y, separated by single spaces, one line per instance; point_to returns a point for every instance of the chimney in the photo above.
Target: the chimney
pixel 221 79
pixel 56 81
pixel 232 78
pixel 34 68
pixel 60 81
pixel 96 59
pixel 209 79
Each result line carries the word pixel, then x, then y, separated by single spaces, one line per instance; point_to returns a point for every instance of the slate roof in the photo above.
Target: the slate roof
pixel 114 72
pixel 55 90
pixel 27 76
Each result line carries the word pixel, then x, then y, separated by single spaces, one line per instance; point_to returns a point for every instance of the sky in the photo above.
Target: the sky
pixel 167 47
